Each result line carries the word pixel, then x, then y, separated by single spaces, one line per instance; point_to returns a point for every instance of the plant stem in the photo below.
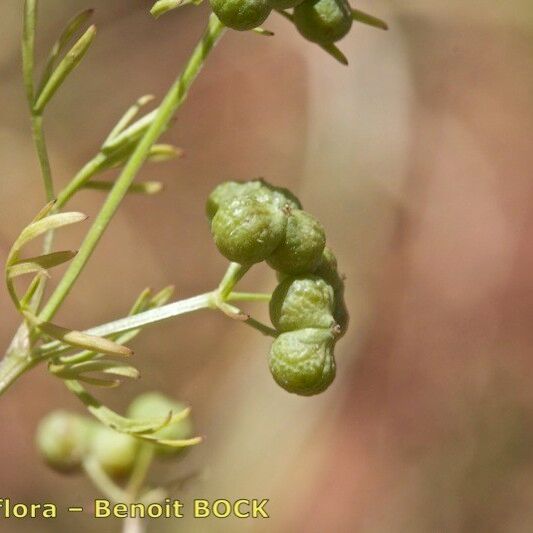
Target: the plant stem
pixel 170 104
pixel 103 482
pixel 12 366
pixel 79 180
pixel 42 153
pixel 28 47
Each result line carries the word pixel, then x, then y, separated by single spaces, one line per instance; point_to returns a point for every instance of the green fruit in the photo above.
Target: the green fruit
pixel 302 302
pixel 260 189
pixel 247 231
pixel 220 195
pixel 284 4
pixel 327 270
pixel 241 15
pixel 115 452
pixel 302 361
pixel 302 248
pixel 323 21
pixel 282 197
pixel 62 440
pixel 153 405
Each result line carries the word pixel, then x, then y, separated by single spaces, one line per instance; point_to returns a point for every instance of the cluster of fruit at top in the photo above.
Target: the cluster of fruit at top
pixel 66 440
pixel 319 21
pixel 253 222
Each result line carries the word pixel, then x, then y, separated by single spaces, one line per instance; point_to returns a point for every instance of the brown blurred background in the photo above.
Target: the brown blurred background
pixel 416 157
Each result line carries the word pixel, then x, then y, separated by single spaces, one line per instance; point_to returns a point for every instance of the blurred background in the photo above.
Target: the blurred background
pixel 417 159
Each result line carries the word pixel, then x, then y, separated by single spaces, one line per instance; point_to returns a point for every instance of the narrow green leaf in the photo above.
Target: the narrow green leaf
pixel 177 443
pixel 164 6
pixel 129 135
pixel 141 302
pixel 129 115
pixel 365 18
pixel 45 211
pixel 263 32
pixel 164 152
pixel 40 263
pixel 145 187
pixel 61 44
pixel 100 382
pixel 113 420
pixel 42 226
pixel 77 338
pixel 32 288
pixel 162 297
pixel 106 366
pixel 65 67
pixel 334 52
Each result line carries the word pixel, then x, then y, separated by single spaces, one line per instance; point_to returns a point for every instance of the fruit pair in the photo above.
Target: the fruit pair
pixel 65 440
pixel 254 221
pixel 320 21
pixel 310 314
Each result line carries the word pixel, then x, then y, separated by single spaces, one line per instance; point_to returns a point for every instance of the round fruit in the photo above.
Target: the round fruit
pixel 302 361
pixel 323 21
pixel 62 440
pixel 302 248
pixel 247 231
pixel 302 302
pixel 115 452
pixel 241 15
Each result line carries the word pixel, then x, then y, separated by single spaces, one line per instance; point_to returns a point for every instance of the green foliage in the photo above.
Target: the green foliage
pixel 153 404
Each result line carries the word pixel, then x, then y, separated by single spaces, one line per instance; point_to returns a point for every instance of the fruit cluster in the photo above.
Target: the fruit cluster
pixel 319 21
pixel 66 440
pixel 255 221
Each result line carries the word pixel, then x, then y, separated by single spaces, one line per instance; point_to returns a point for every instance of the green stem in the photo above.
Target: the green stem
pixel 28 47
pixel 42 153
pixel 12 366
pixel 79 180
pixel 166 111
pixel 233 275
pixel 103 482
pixel 140 471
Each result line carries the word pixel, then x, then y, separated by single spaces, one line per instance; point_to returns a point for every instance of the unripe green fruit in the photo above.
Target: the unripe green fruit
pixel 115 452
pixel 260 189
pixel 284 4
pixel 247 231
pixel 327 269
pixel 152 405
pixel 323 21
pixel 301 249
pixel 302 302
pixel 62 440
pixel 222 194
pixel 241 15
pixel 282 197
pixel 302 361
